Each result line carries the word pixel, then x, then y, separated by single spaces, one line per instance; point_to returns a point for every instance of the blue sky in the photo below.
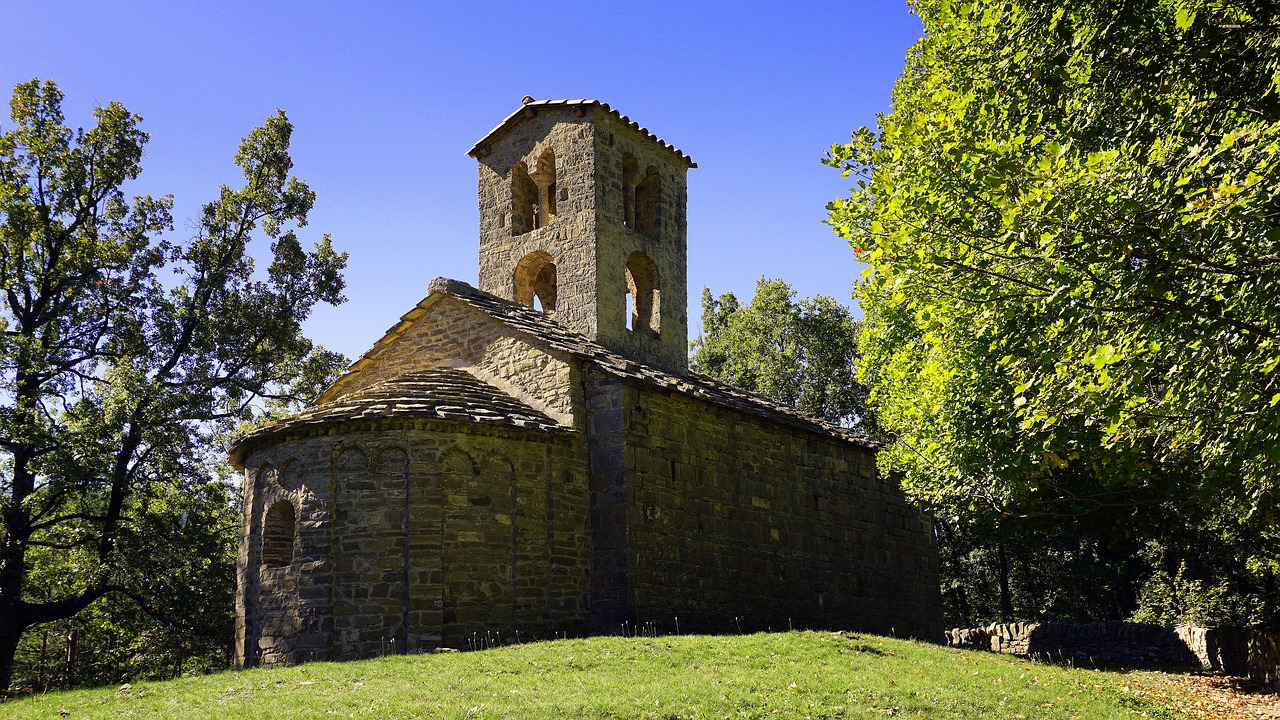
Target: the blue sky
pixel 386 98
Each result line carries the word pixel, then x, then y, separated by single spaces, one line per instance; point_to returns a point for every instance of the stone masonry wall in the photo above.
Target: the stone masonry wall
pixel 587 237
pixel 735 522
pixel 414 537
pixel 1098 642
pixel 450 332
pixel 566 236
pixel 667 248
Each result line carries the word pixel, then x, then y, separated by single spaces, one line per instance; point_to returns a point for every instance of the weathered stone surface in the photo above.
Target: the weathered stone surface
pixel 488 468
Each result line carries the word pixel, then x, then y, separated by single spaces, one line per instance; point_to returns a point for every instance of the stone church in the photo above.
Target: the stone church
pixel 533 458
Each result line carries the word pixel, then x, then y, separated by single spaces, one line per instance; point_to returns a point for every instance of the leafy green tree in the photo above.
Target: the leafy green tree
pixel 193 536
pixel 123 355
pixel 803 354
pixel 1071 222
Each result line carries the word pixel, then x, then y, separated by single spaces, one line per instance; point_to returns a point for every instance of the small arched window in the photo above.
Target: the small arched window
pixel 535 281
pixel 643 296
pixel 278 531
pixel 524 200
pixel 545 179
pixel 641 196
pixel 533 194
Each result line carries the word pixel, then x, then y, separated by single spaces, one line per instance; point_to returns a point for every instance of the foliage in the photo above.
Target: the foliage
pixel 1000 569
pixel 192 536
pixel 1207 584
pixel 1110 564
pixel 781 675
pixel 124 354
pixel 803 354
pixel 1070 218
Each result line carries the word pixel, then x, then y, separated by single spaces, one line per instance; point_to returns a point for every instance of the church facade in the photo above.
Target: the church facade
pixel 532 458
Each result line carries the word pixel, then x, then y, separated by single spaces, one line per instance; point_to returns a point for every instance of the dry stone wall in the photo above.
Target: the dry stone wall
pixel 1234 651
pixel 414 537
pixel 1099 642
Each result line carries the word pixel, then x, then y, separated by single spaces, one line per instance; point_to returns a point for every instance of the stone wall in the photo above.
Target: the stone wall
pixel 1233 651
pixel 734 522
pixel 667 248
pixel 588 237
pixel 414 537
pixel 1117 642
pixel 446 331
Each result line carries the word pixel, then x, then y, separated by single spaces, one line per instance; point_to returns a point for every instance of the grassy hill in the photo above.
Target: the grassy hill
pixel 780 675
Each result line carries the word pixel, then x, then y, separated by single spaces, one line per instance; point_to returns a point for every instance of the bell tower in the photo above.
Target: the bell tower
pixel 582 216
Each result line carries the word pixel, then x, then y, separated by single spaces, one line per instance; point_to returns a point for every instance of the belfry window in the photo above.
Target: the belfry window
pixel 277 535
pixel 643 296
pixel 648 194
pixel 535 282
pixel 641 196
pixel 533 195
pixel 545 179
pixel 524 200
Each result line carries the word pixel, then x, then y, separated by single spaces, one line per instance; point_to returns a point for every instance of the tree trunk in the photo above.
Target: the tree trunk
pixel 1006 601
pixel 10 633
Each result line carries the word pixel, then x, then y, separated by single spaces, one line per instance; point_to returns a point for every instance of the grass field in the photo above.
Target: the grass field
pixel 779 675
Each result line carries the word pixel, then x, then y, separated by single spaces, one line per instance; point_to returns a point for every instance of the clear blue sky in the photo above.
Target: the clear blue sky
pixel 387 97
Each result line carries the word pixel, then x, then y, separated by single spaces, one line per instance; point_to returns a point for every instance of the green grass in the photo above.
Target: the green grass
pixel 780 675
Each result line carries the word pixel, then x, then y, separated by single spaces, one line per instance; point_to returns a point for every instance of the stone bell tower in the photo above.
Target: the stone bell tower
pixel 582 216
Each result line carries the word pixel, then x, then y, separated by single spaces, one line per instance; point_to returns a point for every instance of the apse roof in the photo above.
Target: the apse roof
pixel 441 393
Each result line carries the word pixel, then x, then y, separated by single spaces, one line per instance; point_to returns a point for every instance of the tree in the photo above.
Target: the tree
pixel 114 640
pixel 123 356
pixel 803 354
pixel 1071 222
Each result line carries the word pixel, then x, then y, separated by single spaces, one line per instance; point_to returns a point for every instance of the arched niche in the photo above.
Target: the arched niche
pixel 350 458
pixel 279 528
pixel 535 281
pixel 456 463
pixel 391 461
pixel 643 295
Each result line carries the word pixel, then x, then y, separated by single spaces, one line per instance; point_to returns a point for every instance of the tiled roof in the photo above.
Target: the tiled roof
pixel 439 393
pixel 537 325
pixel 455 394
pixel 530 107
